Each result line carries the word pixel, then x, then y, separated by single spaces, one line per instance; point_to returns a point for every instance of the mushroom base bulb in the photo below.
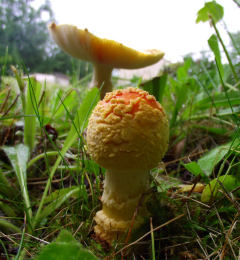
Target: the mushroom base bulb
pixel 121 196
pixel 128 135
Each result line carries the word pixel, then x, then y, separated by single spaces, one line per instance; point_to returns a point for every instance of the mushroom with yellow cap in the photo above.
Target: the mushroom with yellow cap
pixel 128 135
pixel 103 53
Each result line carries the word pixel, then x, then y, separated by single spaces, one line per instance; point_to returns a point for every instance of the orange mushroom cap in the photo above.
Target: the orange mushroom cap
pixel 128 129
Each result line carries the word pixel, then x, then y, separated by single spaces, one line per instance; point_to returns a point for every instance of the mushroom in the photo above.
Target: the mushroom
pixel 128 135
pixel 103 53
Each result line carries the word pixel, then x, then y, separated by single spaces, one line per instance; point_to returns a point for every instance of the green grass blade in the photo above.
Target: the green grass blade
pixel 5 188
pixel 20 253
pixel 62 196
pixel 7 209
pixel 4 249
pixel 78 125
pixel 21 86
pixel 33 95
pixel 156 86
pixel 18 156
pixel 225 51
pixel 218 100
pixel 8 227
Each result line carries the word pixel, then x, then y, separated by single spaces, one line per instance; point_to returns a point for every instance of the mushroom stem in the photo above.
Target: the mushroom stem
pixel 102 78
pixel 121 195
pixel 127 135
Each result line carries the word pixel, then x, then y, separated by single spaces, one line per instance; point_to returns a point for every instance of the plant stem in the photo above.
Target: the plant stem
pixel 152 239
pixel 237 2
pixel 225 51
pixel 36 218
pixel 40 156
pixel 26 199
pixel 232 39
pixel 4 249
pixel 21 254
pixel 20 85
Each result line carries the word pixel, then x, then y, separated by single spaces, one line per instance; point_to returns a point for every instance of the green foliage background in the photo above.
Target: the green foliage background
pixel 24 39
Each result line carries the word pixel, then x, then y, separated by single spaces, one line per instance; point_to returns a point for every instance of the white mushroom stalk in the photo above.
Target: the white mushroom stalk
pixel 103 53
pixel 128 135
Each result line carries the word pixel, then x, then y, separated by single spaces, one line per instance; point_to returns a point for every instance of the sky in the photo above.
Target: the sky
pixel 168 25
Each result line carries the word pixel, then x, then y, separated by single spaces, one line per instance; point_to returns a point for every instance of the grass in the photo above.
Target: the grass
pixel 50 187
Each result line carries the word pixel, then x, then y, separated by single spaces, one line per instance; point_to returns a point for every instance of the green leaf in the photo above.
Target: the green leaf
pixel 31 110
pixel 212 9
pixel 18 156
pixel 194 168
pixel 212 158
pixel 213 44
pixel 212 190
pixel 156 86
pixel 65 247
pixel 65 237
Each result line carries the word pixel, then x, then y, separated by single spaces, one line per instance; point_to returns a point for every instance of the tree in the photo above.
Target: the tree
pixel 25 41
pixel 23 32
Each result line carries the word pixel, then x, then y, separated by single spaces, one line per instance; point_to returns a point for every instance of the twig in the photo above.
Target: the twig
pixel 11 106
pixel 140 201
pixel 197 201
pixel 53 181
pixel 5 101
pixel 184 157
pixel 145 235
pixel 14 242
pixel 80 225
pixel 36 238
pixel 227 240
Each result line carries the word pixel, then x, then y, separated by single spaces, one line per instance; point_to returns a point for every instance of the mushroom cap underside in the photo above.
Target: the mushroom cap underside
pixel 84 45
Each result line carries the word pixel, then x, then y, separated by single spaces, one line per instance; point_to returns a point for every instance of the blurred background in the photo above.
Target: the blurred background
pixel 166 25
